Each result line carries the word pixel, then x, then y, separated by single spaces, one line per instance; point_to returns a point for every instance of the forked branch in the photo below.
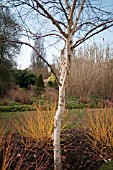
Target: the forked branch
pixel 51 18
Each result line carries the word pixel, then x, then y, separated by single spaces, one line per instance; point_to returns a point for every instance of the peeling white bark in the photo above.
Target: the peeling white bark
pixel 58 119
pixel 65 66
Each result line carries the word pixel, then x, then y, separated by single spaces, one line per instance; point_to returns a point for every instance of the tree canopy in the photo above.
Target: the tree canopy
pixel 9 29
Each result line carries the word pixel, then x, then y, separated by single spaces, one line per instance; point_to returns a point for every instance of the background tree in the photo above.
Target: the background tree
pixel 6 75
pixel 37 64
pixel 9 29
pixel 73 22
pixel 35 59
pixel 40 84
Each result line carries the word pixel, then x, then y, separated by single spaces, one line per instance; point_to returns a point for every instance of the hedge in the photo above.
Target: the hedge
pixel 16 108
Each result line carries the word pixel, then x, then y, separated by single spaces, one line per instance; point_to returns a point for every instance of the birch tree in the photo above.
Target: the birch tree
pixel 72 22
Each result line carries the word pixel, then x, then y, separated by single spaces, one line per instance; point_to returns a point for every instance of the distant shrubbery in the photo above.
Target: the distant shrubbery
pixel 9 29
pixel 52 81
pixel 27 79
pixel 16 108
pixel 21 95
pixel 22 100
pixel 24 78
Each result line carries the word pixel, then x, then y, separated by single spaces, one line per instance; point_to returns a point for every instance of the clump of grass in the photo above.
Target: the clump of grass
pixel 99 130
pixel 37 125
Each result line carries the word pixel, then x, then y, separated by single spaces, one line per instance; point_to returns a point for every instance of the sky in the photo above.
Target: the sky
pixel 24 58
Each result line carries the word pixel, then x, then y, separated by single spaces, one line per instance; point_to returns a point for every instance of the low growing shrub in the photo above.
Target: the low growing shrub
pixel 52 81
pixel 37 125
pixel 21 95
pixel 84 99
pixel 99 131
pixel 16 108
pixel 7 148
pixel 1 135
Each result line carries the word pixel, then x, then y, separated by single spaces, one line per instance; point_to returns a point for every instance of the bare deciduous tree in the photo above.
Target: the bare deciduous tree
pixel 37 64
pixel 73 22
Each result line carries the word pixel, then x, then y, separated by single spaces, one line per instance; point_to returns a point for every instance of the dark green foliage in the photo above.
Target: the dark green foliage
pixel 9 30
pixel 71 103
pixel 50 83
pixel 40 84
pixel 24 78
pixel 6 75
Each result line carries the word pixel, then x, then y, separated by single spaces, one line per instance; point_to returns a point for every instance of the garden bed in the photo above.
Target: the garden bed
pixel 75 151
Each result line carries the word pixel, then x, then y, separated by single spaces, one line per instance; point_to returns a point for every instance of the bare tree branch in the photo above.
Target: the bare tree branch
pixel 72 10
pixel 25 43
pixel 78 17
pixel 85 23
pixel 67 5
pixel 90 31
pixel 63 9
pixel 51 18
pixel 34 35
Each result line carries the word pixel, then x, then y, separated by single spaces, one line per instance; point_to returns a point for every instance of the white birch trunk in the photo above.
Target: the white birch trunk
pixel 65 69
pixel 58 119
pixel 61 106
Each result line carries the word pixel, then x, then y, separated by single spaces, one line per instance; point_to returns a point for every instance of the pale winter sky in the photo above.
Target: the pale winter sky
pixel 24 58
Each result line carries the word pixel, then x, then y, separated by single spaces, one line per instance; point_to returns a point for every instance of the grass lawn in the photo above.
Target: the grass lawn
pixel 72 118
pixel 6 119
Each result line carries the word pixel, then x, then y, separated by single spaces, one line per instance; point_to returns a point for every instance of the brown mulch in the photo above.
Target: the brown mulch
pixel 79 154
pixel 75 150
